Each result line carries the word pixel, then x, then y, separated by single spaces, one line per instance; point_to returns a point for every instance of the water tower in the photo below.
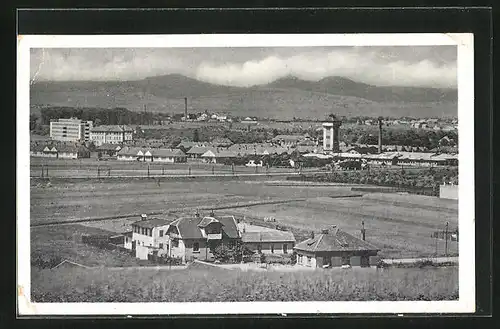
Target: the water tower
pixel 331 134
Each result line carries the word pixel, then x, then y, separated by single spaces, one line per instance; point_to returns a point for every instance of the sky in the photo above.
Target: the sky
pixel 419 66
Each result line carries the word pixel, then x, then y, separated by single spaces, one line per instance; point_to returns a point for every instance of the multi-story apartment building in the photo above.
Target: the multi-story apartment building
pixel 70 130
pixel 111 134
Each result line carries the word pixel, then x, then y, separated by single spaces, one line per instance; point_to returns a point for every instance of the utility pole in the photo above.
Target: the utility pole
pixel 42 170
pixel 446 240
pixel 98 171
pixel 148 170
pixel 363 231
pixel 436 242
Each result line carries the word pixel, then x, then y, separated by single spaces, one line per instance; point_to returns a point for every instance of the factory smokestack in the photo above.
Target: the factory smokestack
pixel 379 135
pixel 185 108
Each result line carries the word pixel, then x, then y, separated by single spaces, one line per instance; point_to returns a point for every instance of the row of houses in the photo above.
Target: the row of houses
pixel 151 155
pixel 59 150
pixel 395 158
pixel 197 237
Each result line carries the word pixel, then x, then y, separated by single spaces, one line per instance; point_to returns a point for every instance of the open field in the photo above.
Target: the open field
pixel 208 284
pixel 94 168
pixel 401 225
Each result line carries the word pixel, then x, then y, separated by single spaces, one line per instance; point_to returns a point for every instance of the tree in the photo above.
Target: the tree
pixel 196 136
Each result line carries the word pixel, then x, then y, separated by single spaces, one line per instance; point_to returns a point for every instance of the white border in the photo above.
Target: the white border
pixel 465 68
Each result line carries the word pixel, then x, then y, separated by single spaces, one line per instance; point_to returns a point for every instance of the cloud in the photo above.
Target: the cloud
pixel 359 67
pixel 401 66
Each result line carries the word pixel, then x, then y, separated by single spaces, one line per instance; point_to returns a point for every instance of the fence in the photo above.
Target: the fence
pixel 117 169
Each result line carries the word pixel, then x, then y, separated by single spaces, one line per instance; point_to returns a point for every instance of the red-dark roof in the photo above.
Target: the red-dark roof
pixel 268 236
pixel 188 227
pixel 335 240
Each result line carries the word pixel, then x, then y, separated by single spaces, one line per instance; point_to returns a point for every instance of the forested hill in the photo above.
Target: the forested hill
pixel 283 99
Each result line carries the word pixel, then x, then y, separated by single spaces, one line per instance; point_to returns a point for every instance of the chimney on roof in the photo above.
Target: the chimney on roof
pixel 144 216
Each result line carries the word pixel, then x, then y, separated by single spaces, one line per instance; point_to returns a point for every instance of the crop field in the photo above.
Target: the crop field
pixel 203 284
pixel 401 225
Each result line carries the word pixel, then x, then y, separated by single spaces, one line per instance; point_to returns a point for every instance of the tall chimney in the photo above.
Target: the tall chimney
pixel 379 135
pixel 185 108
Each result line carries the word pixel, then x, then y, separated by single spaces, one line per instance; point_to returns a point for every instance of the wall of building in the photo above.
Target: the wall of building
pixel 127 242
pixel 202 254
pixel 448 192
pixel 164 159
pixel 141 252
pixel 335 259
pixel 266 247
pixel 64 155
pixel 127 157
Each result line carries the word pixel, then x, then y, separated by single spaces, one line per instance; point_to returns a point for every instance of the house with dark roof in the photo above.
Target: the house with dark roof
pixel 267 240
pixel 335 248
pixel 218 156
pixel 108 150
pixel 197 237
pixel 290 140
pixel 149 236
pixel 196 152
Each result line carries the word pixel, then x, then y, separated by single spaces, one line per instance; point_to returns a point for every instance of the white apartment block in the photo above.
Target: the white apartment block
pixel 70 130
pixel 111 134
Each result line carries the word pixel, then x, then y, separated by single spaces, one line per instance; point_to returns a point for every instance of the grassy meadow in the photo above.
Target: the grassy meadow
pixel 401 225
pixel 207 284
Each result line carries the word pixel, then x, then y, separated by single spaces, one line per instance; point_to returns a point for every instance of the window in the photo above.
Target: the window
pixel 150 232
pixel 285 248
pixel 272 248
pixel 196 247
pixel 259 248
pixel 346 260
pixel 308 260
pixel 161 233
pixel 161 246
pixel 175 243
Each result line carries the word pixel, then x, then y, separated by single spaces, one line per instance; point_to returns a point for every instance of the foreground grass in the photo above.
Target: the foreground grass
pixel 216 285
pixel 53 244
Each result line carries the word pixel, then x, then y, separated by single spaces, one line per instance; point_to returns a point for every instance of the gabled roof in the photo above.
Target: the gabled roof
pixel 129 151
pixel 267 236
pixel 220 154
pixel 152 223
pixel 112 128
pixel 199 149
pixel 207 221
pixel 109 147
pixel 289 138
pixel 164 152
pixel 188 227
pixel 335 240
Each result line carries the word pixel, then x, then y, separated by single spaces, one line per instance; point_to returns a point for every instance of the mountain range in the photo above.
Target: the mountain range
pixel 284 98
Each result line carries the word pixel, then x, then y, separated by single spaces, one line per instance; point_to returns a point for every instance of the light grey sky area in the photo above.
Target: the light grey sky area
pixel 419 66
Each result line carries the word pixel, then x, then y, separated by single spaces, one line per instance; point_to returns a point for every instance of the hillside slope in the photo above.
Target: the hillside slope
pixel 284 98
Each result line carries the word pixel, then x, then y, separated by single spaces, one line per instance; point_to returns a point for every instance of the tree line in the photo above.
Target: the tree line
pixel 102 116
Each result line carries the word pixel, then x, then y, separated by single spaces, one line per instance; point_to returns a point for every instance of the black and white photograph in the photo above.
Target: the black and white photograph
pixel 246 174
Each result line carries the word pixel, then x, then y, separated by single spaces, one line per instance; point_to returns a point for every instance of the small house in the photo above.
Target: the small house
pixel 335 248
pixel 149 236
pixel 269 241
pixel 196 237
